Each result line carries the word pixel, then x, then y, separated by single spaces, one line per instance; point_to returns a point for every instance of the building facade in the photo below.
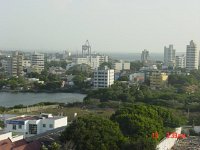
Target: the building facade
pixel 169 55
pixel 192 56
pixel 37 62
pixel 180 61
pixel 33 125
pixel 158 80
pixel 93 61
pixel 119 66
pixel 14 64
pixel 103 78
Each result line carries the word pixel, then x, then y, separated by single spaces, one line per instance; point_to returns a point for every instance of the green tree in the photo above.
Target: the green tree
pixel 55 146
pixel 108 64
pixel 92 132
pixel 13 84
pixel 44 147
pixel 123 78
pixel 136 65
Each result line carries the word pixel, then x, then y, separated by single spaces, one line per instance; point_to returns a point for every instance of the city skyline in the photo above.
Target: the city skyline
pixel 114 26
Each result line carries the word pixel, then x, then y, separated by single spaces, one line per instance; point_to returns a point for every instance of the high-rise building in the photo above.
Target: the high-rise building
pixel 169 56
pixel 14 65
pixel 37 62
pixel 103 78
pixel 180 61
pixel 145 58
pixel 192 56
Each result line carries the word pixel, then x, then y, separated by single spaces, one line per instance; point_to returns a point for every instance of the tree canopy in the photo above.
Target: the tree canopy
pixel 139 122
pixel 92 132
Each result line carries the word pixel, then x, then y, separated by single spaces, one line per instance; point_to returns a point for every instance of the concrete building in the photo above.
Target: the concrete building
pixel 33 125
pixel 37 62
pixel 169 56
pixel 3 63
pixel 145 58
pixel 118 66
pixel 13 65
pixel 158 80
pixel 192 56
pixel 57 70
pixel 137 77
pixel 103 78
pixel 93 61
pixel 180 61
pixel 26 63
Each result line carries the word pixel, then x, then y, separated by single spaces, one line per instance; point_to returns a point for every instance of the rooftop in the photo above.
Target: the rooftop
pixel 30 117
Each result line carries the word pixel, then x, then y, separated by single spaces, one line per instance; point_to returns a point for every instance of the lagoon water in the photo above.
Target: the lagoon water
pixel 12 99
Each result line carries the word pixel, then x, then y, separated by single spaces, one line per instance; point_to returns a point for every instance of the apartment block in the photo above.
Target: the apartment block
pixel 103 78
pixel 192 56
pixel 158 80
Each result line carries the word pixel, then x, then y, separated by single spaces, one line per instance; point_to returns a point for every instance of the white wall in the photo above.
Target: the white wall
pixel 197 129
pixel 5 136
pixel 60 122
pixel 9 135
pixel 47 122
pixel 168 143
pixel 9 128
pixel 17 138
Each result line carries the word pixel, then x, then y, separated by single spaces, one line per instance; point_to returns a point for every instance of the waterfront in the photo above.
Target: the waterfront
pixel 12 99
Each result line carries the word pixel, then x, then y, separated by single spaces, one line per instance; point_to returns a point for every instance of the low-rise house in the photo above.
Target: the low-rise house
pixel 57 70
pixel 32 125
pixel 137 77
pixel 32 80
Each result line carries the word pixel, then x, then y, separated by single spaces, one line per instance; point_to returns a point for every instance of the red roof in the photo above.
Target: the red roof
pixel 19 145
pixel 35 145
pixel 6 144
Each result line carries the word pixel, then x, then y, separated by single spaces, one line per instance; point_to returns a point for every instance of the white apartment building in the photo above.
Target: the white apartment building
pixel 103 78
pixel 38 62
pixel 180 61
pixel 93 61
pixel 33 125
pixel 169 55
pixel 192 56
pixel 121 66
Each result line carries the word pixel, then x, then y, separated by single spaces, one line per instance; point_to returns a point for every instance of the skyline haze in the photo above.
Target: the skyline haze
pixel 109 25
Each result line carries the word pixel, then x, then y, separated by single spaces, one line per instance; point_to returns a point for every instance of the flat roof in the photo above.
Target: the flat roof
pixel 24 118
pixel 20 118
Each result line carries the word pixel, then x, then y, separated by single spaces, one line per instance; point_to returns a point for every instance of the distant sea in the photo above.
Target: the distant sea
pixel 137 56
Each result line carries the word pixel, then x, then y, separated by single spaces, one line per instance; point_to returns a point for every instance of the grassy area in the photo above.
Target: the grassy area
pixel 70 111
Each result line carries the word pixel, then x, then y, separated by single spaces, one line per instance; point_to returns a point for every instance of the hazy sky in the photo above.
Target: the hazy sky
pixel 109 25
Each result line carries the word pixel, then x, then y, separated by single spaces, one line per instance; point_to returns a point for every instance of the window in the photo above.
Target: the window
pixel 20 126
pixel 44 125
pixel 50 125
pixel 32 129
pixel 14 127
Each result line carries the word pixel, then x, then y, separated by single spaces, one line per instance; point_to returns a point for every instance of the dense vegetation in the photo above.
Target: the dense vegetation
pixel 92 132
pixel 131 127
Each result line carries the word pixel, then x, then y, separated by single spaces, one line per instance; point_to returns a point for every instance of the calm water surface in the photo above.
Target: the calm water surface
pixel 12 99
